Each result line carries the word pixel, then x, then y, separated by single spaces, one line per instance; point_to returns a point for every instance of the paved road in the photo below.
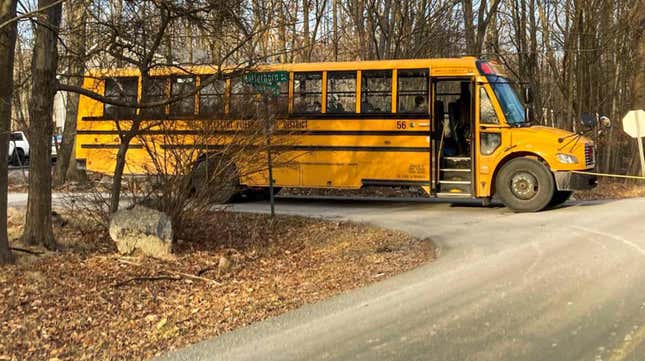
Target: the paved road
pixel 561 285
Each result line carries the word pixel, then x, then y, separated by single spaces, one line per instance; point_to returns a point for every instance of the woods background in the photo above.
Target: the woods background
pixel 577 56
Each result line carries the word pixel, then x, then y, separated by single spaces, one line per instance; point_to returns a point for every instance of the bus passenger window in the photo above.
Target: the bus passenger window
pixel 122 90
pixel 182 87
pixel 307 92
pixel 341 92
pixel 486 111
pixel 211 97
pixel 155 92
pixel 412 91
pixel 376 91
pixel 243 99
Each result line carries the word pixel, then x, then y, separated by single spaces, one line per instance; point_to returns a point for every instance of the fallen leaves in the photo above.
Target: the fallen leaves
pixel 610 189
pixel 65 305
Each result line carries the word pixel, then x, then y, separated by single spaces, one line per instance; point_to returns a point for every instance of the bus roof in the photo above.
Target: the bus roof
pixel 438 66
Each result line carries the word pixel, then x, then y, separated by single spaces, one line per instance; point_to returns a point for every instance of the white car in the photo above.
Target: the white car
pixel 18 148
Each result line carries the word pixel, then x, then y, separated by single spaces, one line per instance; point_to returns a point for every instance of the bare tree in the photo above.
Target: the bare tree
pixel 477 27
pixel 38 226
pixel 76 14
pixel 638 44
pixel 7 46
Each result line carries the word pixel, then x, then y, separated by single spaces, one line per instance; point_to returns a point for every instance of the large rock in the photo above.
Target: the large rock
pixel 145 229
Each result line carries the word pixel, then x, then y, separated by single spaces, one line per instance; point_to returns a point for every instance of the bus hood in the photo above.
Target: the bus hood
pixel 549 142
pixel 544 131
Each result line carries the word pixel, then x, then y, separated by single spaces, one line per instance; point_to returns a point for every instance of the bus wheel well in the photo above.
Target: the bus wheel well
pixel 510 157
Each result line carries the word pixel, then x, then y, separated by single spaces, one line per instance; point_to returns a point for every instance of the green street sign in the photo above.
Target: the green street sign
pixel 266 82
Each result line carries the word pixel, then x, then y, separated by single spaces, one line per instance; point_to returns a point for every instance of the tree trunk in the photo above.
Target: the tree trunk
pixel 65 168
pixel 638 44
pixel 7 46
pixel 38 226
pixel 115 196
pixel 305 31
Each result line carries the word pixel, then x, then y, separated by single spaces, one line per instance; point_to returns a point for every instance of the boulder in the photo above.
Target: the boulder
pixel 145 229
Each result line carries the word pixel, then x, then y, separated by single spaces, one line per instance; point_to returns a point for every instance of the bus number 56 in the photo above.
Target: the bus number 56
pixel 400 124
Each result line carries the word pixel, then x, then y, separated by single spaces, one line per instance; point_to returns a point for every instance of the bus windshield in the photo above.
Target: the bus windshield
pixel 508 100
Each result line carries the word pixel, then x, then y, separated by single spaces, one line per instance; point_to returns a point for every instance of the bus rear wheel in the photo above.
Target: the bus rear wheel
pixel 208 181
pixel 525 185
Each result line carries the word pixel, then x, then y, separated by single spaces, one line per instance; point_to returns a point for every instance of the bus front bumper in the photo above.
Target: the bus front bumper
pixel 569 181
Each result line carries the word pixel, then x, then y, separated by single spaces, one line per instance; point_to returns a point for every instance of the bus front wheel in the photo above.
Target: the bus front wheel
pixel 525 185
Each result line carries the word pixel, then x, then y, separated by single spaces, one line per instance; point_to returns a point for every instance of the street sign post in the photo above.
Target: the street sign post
pixel 267 83
pixel 634 126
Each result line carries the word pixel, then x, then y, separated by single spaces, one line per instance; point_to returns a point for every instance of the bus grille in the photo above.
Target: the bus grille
pixel 589 155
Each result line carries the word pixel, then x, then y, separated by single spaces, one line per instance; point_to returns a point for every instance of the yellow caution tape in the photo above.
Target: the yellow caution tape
pixel 610 175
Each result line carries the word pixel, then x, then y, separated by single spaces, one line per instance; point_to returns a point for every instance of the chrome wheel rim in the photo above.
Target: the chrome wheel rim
pixel 524 185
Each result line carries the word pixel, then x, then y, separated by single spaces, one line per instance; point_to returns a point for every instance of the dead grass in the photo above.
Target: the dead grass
pixel 87 303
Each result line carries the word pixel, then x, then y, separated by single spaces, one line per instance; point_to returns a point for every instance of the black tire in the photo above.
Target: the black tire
pixel 18 157
pixel 266 193
pixel 525 185
pixel 560 197
pixel 217 188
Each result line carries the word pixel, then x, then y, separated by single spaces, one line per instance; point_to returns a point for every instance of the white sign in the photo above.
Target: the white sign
pixel 634 123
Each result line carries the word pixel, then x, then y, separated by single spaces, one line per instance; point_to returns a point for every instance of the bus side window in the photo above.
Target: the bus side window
pixel 412 91
pixel 341 92
pixel 307 92
pixel 122 90
pixel 243 99
pixel 376 91
pixel 211 97
pixel 156 92
pixel 184 87
pixel 486 111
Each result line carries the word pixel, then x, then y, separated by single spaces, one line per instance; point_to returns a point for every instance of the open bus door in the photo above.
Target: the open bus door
pixel 454 105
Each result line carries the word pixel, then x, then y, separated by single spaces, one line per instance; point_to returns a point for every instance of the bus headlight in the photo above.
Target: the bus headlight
pixel 566 158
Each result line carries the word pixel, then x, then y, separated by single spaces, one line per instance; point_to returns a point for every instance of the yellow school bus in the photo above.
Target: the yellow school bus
pixel 454 127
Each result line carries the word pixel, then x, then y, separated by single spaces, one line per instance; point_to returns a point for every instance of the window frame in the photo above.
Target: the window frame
pixel 149 112
pixel 242 114
pixel 121 111
pixel 173 106
pixel 490 102
pixel 292 102
pixel 224 97
pixel 427 91
pixel 16 137
pixel 365 94
pixel 350 92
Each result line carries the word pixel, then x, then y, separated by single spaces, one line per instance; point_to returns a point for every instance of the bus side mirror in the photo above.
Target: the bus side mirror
pixel 605 122
pixel 528 95
pixel 588 120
